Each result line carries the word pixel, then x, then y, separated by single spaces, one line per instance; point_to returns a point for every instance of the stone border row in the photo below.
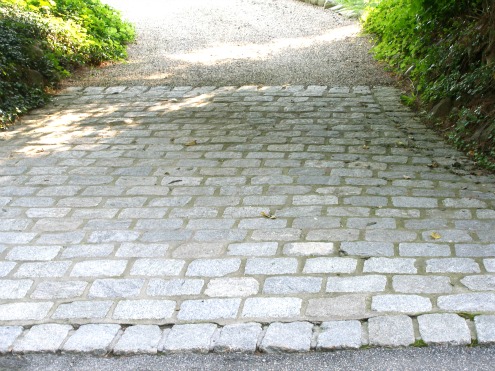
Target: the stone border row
pixel 335 6
pixel 278 337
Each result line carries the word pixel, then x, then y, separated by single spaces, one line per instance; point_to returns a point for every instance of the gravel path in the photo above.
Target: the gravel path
pixel 238 42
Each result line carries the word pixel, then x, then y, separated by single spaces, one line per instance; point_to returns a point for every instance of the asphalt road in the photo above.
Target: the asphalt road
pixel 431 358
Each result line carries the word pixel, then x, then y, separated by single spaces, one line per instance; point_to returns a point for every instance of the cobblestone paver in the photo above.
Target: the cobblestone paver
pixel 277 218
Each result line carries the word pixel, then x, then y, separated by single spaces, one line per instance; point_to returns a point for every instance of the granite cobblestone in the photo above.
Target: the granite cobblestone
pixel 258 205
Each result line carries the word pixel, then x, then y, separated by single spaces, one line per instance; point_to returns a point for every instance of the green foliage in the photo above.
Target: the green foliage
pixel 41 41
pixel 419 344
pixel 447 50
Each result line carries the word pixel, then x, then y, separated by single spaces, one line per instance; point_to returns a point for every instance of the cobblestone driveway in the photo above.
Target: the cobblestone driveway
pixel 221 206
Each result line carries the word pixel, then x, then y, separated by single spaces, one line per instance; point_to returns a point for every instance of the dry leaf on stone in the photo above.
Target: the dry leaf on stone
pixel 268 215
pixel 435 235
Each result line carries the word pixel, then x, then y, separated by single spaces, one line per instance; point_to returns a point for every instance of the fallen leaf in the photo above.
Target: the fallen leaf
pixel 435 235
pixel 268 215
pixel 191 143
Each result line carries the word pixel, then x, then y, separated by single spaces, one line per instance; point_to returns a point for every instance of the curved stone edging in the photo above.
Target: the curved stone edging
pixel 384 331
pixel 328 4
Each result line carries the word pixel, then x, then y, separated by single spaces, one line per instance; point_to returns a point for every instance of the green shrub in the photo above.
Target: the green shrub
pixel 41 41
pixel 447 50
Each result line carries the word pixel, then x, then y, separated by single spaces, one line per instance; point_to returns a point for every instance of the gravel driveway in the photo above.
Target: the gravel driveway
pixel 238 42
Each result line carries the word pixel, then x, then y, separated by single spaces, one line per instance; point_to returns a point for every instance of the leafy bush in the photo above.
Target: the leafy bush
pixel 447 50
pixel 41 41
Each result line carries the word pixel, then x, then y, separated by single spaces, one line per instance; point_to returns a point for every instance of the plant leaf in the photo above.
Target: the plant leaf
pixel 435 235
pixel 268 215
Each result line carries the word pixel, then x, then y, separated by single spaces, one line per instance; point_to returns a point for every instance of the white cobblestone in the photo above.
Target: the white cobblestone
pixel 241 337
pixel 189 338
pixel 401 303
pixel 391 331
pixel 287 337
pixel 444 329
pixel 141 339
pixel 485 329
pixel 42 338
pixel 95 339
pixel 368 283
pixel 271 308
pixel 340 335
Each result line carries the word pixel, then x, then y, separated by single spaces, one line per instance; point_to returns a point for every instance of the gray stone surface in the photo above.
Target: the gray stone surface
pixel 287 337
pixel 453 265
pixel 24 311
pixel 485 329
pixel 367 248
pixel 285 307
pixel 309 248
pixel 444 329
pixel 232 287
pixel 480 283
pixel 292 285
pixel 368 283
pixel 144 310
pixel 391 331
pixel 42 338
pixel 386 265
pixel 8 335
pixel 95 339
pixel 151 214
pixel 401 303
pixel 241 337
pixel 422 284
pixel 208 309
pixel 267 266
pixel 141 339
pixel 330 265
pixel 82 310
pixel 340 335
pixel 213 267
pixel 189 338
pixel 475 302
pixel 331 308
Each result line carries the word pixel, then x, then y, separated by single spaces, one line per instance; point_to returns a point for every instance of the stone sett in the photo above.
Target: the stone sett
pixel 287 337
pixel 470 302
pixel 241 337
pixel 391 331
pixel 42 338
pixel 134 226
pixel 188 338
pixel 144 310
pixel 8 335
pixel 444 329
pixel 340 335
pixel 485 329
pixel 95 339
pixel 367 283
pixel 208 309
pixel 367 248
pixel 292 285
pixel 140 339
pixel 286 307
pixel 401 303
